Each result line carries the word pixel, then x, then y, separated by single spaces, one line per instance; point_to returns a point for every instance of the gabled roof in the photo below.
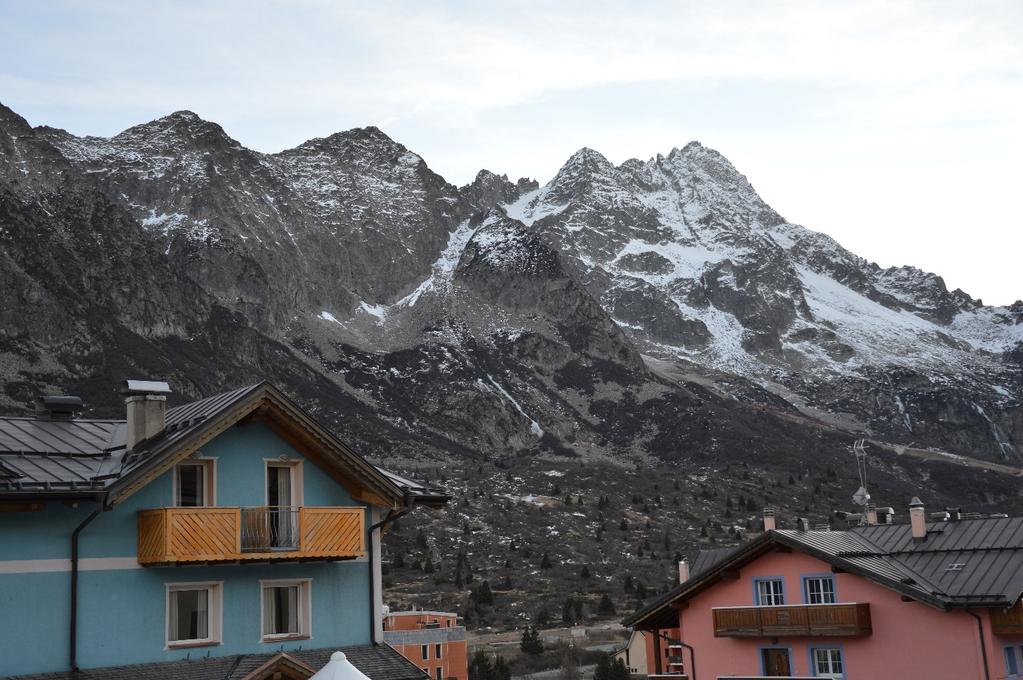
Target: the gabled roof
pixel 379 662
pixel 967 563
pixel 87 458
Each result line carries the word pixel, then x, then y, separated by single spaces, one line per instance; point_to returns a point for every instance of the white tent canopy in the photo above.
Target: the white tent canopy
pixel 339 668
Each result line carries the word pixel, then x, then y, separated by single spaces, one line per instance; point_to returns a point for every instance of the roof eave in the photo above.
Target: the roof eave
pixel 62 495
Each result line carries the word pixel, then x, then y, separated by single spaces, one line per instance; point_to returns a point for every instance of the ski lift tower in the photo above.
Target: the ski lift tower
pixel 862 496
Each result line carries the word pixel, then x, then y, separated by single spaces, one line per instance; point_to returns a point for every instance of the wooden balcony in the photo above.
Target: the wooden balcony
pixel 804 620
pixel 1007 621
pixel 195 535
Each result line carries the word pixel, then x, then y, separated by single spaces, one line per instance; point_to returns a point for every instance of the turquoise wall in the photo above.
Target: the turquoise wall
pixel 122 612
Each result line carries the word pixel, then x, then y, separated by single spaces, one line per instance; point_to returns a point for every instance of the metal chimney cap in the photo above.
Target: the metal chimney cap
pixel 145 387
pixel 916 502
pixel 58 407
pixel 61 402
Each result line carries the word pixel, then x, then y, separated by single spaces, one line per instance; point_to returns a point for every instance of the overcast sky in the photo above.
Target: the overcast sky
pixel 895 127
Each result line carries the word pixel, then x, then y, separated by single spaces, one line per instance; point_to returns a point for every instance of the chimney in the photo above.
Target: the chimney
pixel 871 515
pixel 769 524
pixel 146 402
pixel 683 571
pixel 58 407
pixel 918 519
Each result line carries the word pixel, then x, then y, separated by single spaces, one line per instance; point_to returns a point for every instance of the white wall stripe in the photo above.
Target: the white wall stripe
pixel 56 565
pixel 93 564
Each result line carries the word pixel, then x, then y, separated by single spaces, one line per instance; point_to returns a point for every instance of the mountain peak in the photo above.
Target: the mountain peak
pixel 176 130
pixel 10 119
pixel 587 156
pixel 184 114
pixel 369 140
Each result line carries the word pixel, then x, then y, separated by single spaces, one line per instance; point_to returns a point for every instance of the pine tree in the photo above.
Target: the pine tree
pixel 531 643
pixel 603 669
pixel 501 669
pixel 618 671
pixel 421 540
pixel 606 606
pixel 480 668
pixel 624 526
pixel 584 572
pixel 482 595
pixel 545 562
pixel 543 617
pixel 568 612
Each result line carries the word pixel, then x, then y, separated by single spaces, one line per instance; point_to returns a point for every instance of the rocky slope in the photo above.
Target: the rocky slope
pixel 619 326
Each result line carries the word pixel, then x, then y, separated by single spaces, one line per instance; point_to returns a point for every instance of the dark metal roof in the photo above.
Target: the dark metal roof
pixel 974 562
pixel 705 559
pixel 379 662
pixel 84 458
pixel 424 494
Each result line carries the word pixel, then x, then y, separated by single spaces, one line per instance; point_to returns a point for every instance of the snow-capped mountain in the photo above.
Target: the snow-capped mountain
pixel 577 317
pixel 694 266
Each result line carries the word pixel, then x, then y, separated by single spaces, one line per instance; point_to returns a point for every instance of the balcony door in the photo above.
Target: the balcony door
pixel 283 496
pixel 776 662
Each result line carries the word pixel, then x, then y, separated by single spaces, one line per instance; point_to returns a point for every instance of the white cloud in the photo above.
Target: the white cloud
pixel 895 127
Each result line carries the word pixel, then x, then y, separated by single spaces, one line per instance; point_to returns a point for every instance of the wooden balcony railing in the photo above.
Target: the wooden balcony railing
pixel 1007 621
pixel 189 535
pixel 814 620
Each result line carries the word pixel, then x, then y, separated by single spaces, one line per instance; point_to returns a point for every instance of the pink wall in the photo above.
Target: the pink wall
pixel 909 641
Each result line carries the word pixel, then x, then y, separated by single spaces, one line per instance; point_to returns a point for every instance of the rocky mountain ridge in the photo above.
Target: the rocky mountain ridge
pixel 599 335
pixel 352 238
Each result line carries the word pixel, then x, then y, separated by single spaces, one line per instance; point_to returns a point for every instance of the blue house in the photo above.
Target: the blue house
pixel 212 539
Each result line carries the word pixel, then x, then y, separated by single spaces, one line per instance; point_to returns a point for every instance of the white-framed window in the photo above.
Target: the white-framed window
pixel 827 663
pixel 438 673
pixel 195 483
pixel 819 589
pixel 194 614
pixel 286 610
pixel 770 591
pixel 437 651
pixel 1011 664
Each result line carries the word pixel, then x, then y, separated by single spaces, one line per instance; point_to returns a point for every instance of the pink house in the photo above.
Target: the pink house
pixel 925 600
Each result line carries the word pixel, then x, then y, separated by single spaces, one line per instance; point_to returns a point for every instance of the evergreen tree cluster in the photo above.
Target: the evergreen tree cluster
pixel 531 643
pixel 609 668
pixel 482 668
pixel 571 611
